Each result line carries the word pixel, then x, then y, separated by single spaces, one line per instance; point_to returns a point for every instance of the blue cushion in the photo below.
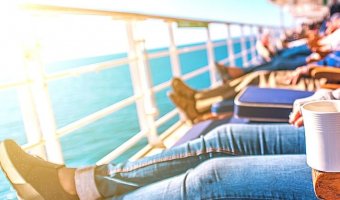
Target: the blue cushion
pixel 223 107
pixel 278 96
pixel 267 104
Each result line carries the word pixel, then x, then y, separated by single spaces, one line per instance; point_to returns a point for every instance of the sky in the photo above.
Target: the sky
pixel 250 11
pixel 73 37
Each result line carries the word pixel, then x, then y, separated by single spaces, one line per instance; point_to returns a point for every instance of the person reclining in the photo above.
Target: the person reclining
pixel 226 163
pixel 292 58
pixel 194 104
pixel 269 48
pixel 279 62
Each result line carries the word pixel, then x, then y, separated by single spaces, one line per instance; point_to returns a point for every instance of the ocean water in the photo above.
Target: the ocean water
pixel 74 98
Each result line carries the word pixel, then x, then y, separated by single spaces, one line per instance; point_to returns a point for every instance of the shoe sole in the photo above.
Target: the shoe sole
pixel 8 167
pixel 15 177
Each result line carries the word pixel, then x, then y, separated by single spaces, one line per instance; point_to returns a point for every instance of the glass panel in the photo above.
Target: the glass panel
pixel 193 60
pixel 77 97
pixel 160 70
pixel 91 143
pixel 163 102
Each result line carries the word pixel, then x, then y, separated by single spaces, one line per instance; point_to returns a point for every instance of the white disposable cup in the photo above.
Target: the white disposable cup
pixel 322 130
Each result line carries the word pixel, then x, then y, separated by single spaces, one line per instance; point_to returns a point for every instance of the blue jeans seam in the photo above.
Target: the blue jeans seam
pixel 244 197
pixel 174 157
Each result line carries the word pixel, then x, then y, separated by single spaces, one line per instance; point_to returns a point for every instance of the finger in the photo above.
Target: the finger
pixel 299 122
pixel 295 115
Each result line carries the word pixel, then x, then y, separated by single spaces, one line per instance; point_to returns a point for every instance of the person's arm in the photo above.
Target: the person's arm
pixel 295 117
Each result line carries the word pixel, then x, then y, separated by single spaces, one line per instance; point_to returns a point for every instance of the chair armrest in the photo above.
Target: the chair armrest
pixel 330 73
pixel 326 184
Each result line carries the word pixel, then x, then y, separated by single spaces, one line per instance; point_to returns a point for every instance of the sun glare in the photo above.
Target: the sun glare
pixel 13 38
pixel 55 37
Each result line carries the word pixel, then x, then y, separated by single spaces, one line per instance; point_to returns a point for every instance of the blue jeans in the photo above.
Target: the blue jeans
pixel 195 171
pixel 286 59
pixel 295 51
pixel 279 63
pixel 251 177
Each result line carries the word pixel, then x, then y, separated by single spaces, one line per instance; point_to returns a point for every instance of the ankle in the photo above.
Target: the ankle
pixel 67 180
pixel 235 72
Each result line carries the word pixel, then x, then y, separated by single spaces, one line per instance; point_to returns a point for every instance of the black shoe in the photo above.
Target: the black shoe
pixel 32 178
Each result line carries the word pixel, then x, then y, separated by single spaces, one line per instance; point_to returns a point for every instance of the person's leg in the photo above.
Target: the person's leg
pixel 182 89
pixel 250 177
pixel 228 140
pixel 279 63
pixel 225 91
pixel 110 180
pixel 295 51
pixel 187 106
pixel 179 87
pixel 290 63
pixel 194 103
pixel 288 59
pixel 230 72
pixel 206 98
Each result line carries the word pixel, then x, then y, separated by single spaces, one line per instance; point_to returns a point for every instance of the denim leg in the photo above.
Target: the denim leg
pixel 279 63
pixel 260 139
pixel 289 63
pixel 246 177
pixel 294 51
pixel 226 140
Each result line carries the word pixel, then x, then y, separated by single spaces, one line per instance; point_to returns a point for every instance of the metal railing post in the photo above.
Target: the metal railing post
pixel 136 82
pixel 230 46
pixel 31 120
pixel 149 100
pixel 253 44
pixel 42 102
pixel 175 63
pixel 259 32
pixel 27 105
pixel 146 108
pixel 211 58
pixel 243 47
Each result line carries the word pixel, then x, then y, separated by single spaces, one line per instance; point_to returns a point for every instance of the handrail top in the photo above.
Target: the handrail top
pixel 41 7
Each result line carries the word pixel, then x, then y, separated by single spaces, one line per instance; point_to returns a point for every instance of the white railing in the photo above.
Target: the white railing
pixel 138 61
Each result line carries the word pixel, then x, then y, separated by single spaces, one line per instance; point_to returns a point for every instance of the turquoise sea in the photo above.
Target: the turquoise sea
pixel 74 98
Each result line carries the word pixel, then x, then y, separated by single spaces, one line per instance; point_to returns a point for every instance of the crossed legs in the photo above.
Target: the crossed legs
pixel 169 167
pixel 194 103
